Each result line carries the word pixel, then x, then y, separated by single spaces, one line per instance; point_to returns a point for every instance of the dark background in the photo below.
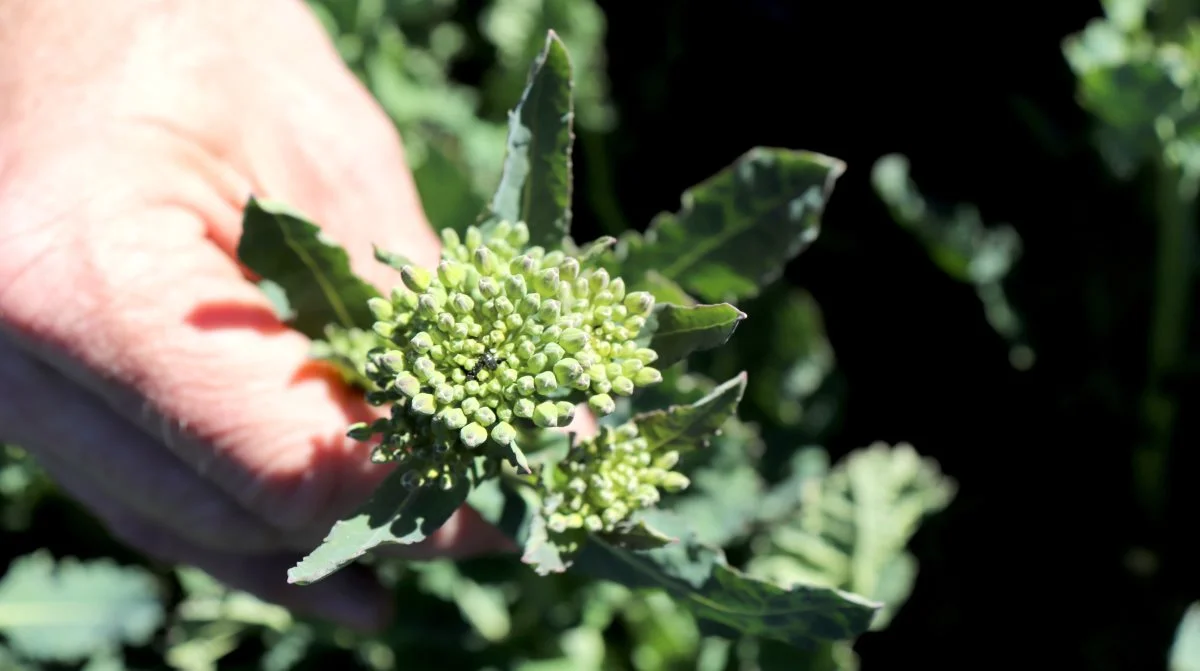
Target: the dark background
pixel 1033 563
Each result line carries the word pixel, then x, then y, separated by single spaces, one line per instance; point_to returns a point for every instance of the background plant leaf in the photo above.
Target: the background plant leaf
pixel 69 610
pixel 1185 649
pixel 851 525
pixel 737 229
pixel 680 330
pixel 279 245
pixel 393 515
pixel 699 578
pixel 689 427
pixel 536 184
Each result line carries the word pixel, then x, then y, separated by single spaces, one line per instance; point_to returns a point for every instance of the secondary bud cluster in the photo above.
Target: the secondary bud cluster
pixel 502 336
pixel 606 479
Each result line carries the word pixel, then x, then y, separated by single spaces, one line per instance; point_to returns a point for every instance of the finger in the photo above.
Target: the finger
pixel 350 597
pixel 78 439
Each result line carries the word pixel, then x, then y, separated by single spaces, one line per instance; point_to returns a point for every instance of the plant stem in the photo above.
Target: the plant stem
pixel 1168 332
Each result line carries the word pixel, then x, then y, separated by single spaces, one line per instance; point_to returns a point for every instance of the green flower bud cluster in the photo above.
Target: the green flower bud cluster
pixel 608 478
pixel 500 338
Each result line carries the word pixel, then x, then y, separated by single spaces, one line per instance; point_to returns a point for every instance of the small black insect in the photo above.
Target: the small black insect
pixel 488 361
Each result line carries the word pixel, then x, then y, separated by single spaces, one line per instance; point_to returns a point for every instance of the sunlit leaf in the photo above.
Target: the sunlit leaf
pixel 312 271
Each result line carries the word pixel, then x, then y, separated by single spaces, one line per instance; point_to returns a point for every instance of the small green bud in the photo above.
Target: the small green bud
pixel 603 298
pixel 537 363
pixel 573 339
pixel 424 368
pixel 473 435
pixel 520 234
pixel 470 404
pixel 522 265
pixel 445 322
pixel 514 286
pixel 667 460
pixel 384 329
pixel 525 385
pixel 488 288
pixel 462 303
pixel 474 237
pixel 545 383
pixel 547 282
pixel 545 415
pixel 504 307
pixel 428 306
pixel 553 258
pixel 598 280
pixel 549 311
pixel 443 393
pixel 617 288
pixel 639 303
pixel 646 377
pixel 530 304
pixel 567 370
pixel 622 386
pixel 451 274
pixel 424 404
pixel 381 308
pixel 646 355
pixel 416 279
pixel 408 384
pixel 422 342
pixel 523 408
pixel 485 416
pixel 569 269
pixel 557 523
pixel 504 433
pixel 450 239
pixel 675 482
pixel 454 419
pixel 566 412
pixel 486 261
pixel 602 404
pixel 593 523
pixel 553 351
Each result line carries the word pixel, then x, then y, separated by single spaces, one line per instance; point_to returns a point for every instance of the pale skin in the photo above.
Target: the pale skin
pixel 139 364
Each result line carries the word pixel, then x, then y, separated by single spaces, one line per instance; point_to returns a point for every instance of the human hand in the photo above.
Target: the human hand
pixel 138 364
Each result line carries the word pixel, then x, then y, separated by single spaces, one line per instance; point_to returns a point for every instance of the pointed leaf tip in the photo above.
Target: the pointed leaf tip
pixel 536 182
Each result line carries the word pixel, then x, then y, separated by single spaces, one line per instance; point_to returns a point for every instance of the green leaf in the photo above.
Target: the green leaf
pixel 1185 650
pixel 393 515
pixel 737 230
pixel 68 611
pixel 311 270
pixel 682 330
pixel 636 535
pixel 516 510
pixel 851 526
pixel 699 578
pixel 690 427
pixel 665 290
pixel 535 186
